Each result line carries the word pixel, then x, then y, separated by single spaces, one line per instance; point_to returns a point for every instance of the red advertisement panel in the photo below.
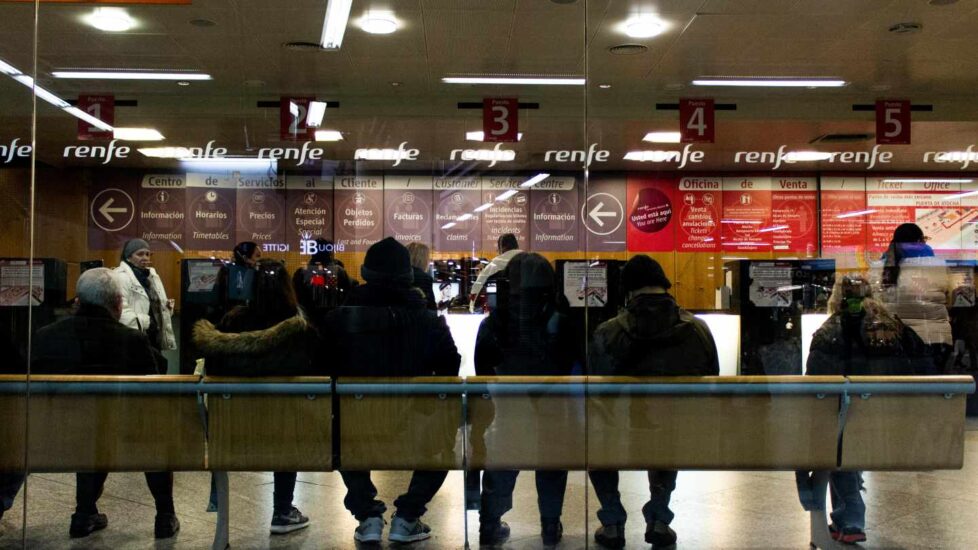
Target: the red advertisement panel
pixel 844 214
pixel 746 222
pixel 650 213
pixel 102 107
pixel 699 202
pixel 893 122
pixel 794 217
pixel 942 206
pixel 500 119
pixel 696 121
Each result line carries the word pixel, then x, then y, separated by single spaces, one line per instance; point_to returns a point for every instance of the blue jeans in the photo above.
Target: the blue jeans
pixel 661 485
pixel 848 508
pixel 497 493
pixel 361 495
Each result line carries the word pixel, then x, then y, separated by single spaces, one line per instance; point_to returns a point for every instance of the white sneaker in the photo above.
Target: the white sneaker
pixel 403 530
pixel 370 530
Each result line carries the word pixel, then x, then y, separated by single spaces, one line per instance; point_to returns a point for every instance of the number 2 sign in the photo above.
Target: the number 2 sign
pixel 893 122
pixel 696 121
pixel 500 119
pixel 292 117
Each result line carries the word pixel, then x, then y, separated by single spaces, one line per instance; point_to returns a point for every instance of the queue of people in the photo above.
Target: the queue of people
pixel 320 321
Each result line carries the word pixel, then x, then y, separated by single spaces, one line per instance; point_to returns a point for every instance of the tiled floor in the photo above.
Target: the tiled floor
pixel 714 510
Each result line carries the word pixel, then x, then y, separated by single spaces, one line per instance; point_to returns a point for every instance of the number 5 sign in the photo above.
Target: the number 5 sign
pixel 893 122
pixel 500 119
pixel 696 121
pixel 292 118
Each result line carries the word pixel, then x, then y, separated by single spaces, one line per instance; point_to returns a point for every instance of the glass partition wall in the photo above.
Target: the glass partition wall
pixel 335 273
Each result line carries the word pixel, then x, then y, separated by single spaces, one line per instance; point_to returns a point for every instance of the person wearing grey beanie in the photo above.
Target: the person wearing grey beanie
pixel 145 306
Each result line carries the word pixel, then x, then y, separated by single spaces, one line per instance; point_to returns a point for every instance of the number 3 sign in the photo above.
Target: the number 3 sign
pixel 696 121
pixel 893 122
pixel 500 119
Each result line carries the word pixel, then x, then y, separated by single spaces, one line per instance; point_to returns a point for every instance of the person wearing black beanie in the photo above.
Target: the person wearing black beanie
pixel 652 336
pixel 386 329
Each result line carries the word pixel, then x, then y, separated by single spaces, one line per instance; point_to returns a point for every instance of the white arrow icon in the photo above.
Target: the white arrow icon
pixel 107 211
pixel 596 214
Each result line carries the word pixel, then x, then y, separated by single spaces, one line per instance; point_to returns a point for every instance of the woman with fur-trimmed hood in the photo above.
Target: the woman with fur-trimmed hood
pixel 268 337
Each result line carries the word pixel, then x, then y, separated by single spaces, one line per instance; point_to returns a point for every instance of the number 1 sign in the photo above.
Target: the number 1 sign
pixel 500 119
pixel 893 122
pixel 292 118
pixel 696 121
pixel 101 107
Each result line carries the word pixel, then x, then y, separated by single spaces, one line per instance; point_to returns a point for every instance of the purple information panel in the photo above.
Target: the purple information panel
pixel 359 218
pixel 554 211
pixel 162 210
pixel 210 211
pixel 408 208
pixel 309 209
pixel 261 209
pixel 507 206
pixel 457 224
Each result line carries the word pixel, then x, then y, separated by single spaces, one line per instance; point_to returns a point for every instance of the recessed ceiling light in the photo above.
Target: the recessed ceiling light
pixel 771 82
pixel 328 135
pixel 396 84
pixel 517 80
pixel 130 75
pixel 479 136
pixel 137 134
pixel 334 23
pixel 110 20
pixel 644 26
pixel 662 137
pixel 378 23
pixel 183 83
pixel 604 86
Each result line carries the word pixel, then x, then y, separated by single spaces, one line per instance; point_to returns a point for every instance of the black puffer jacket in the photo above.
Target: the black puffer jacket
pixel 653 336
pixel 284 349
pixel 389 331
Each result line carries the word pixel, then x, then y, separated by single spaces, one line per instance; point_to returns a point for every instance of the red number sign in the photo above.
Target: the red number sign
pixel 292 118
pixel 500 119
pixel 893 122
pixel 696 121
pixel 101 107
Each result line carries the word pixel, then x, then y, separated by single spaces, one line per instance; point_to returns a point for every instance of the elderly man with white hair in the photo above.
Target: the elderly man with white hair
pixel 93 341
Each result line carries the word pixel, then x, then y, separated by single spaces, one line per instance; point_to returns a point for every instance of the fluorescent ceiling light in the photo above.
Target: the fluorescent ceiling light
pixel 507 194
pixel 494 155
pixel 92 121
pixel 662 137
pixel 529 81
pixel 644 26
pixel 328 135
pixel 806 156
pixel 772 228
pixel 928 180
pixel 41 92
pixel 110 19
pixel 137 134
pixel 742 222
pixel 130 75
pixel 772 82
pixel 651 156
pixel 315 114
pixel 534 180
pixel 378 23
pixel 382 154
pixel 334 24
pixel 222 164
pixel 165 152
pixel 6 68
pixel 956 156
pixel 485 206
pixel 448 225
pixel 855 213
pixel 959 196
pixel 464 217
pixel 479 136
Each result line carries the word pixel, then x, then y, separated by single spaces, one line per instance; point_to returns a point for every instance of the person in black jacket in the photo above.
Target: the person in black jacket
pixel 93 341
pixel 268 337
pixel 385 329
pixel 323 283
pixel 420 264
pixel 653 336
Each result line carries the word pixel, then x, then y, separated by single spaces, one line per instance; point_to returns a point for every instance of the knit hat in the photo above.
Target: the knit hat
pixel 133 245
pixel 642 271
pixel 387 262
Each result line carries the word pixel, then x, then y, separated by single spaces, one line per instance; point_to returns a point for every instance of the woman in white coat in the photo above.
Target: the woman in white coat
pixel 145 306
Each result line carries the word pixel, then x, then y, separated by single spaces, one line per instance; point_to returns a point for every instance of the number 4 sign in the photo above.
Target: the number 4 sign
pixel 101 107
pixel 500 119
pixel 292 118
pixel 696 121
pixel 893 122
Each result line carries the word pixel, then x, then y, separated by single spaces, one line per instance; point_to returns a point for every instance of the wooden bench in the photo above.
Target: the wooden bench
pixel 81 423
